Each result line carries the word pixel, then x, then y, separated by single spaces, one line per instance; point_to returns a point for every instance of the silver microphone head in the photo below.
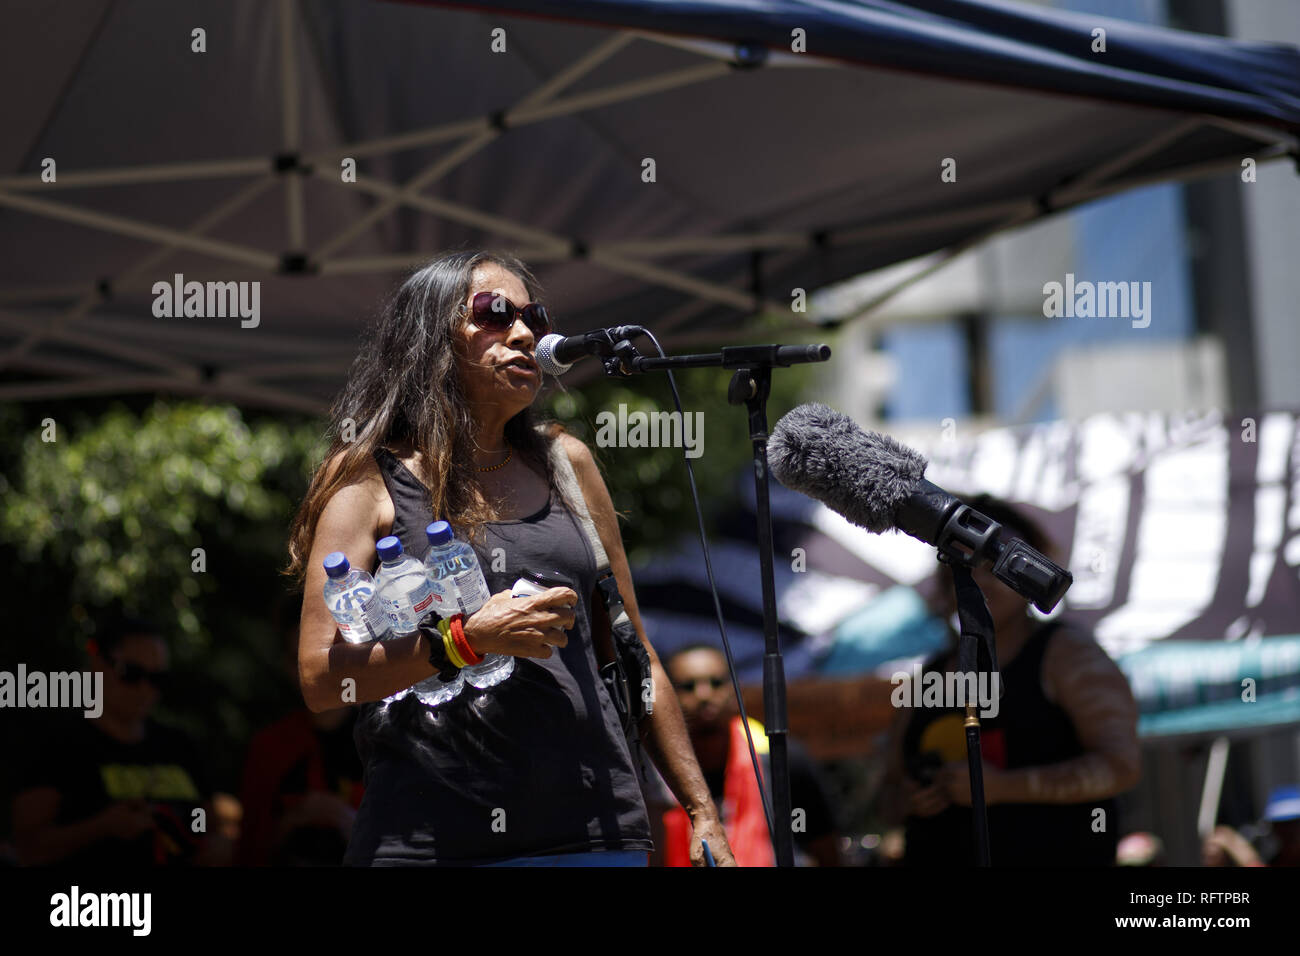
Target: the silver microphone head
pixel 544 353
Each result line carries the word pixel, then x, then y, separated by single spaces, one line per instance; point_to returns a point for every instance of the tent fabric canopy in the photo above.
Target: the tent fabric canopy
pixel 771 173
pixel 982 41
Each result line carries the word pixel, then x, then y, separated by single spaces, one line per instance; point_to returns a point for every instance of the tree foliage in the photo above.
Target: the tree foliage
pixel 120 505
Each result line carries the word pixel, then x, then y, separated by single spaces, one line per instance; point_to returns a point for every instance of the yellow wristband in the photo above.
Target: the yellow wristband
pixel 450 645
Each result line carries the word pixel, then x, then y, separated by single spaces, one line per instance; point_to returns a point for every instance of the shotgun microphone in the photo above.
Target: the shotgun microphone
pixel 877 483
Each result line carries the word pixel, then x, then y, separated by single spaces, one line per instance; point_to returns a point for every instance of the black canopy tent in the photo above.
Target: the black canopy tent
pixel 773 169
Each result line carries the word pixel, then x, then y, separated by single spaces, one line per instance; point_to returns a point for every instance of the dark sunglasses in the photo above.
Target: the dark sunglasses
pixel 128 672
pixel 690 685
pixel 496 313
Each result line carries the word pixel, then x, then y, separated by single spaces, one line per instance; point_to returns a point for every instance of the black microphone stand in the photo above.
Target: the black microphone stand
pixel 751 385
pixel 976 636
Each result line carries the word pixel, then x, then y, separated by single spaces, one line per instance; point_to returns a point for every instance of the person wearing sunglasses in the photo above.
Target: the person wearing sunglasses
pixel 436 421
pixel 703 684
pixel 120 789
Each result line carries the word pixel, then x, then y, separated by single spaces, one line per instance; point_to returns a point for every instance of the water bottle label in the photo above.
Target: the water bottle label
pixel 356 612
pixel 351 632
pixel 406 610
pixel 399 616
pixel 525 588
pixel 472 590
pixel 376 622
pixel 444 596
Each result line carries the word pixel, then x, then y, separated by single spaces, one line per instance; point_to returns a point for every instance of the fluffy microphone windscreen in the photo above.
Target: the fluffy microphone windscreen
pixel 862 475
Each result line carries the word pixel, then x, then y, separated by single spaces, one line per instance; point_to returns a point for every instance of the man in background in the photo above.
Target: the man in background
pixel 703 684
pixel 1060 750
pixel 120 789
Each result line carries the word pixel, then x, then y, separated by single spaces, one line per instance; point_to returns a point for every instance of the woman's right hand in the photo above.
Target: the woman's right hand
pixel 522 627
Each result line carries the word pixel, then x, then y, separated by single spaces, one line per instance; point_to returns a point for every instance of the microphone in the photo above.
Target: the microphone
pixel 555 354
pixel 877 483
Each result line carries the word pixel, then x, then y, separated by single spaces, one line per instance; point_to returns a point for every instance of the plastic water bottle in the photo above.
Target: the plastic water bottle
pixel 352 601
pixel 407 597
pixel 459 585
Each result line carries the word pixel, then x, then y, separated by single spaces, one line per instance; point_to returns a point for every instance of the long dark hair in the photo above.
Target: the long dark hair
pixel 405 386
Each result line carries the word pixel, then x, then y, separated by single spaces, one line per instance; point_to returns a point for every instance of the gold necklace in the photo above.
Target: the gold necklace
pixel 509 454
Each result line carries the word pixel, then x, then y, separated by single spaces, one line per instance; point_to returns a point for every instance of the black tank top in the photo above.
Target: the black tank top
pixel 1028 731
pixel 536 765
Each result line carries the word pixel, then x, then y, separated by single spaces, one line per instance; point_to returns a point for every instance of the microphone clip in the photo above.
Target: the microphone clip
pixel 620 357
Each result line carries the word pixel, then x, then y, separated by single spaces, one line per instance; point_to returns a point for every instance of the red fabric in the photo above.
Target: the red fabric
pixel 742 813
pixel 271 754
pixel 993 747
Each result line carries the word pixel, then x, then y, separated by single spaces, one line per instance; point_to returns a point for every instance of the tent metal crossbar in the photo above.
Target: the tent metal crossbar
pixel 97 343
pixel 217 388
pixel 93 297
pixel 201 338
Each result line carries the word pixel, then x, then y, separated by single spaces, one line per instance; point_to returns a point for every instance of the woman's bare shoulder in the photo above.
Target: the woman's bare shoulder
pixel 365 496
pixel 577 450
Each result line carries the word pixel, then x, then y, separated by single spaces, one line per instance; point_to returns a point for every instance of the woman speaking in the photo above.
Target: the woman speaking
pixel 436 422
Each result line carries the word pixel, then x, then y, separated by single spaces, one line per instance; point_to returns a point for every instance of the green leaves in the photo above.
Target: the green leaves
pixel 118 504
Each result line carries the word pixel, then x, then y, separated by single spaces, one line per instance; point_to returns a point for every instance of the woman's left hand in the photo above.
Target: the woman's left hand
pixel 712 831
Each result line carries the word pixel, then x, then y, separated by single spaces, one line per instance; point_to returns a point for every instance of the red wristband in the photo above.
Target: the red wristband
pixel 462 643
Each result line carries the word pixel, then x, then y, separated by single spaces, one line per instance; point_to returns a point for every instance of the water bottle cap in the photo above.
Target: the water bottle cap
pixel 439 532
pixel 546 579
pixel 390 548
pixel 336 564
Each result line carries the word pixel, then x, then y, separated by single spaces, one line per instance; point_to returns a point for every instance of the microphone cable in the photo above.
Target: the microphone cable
pixel 717 603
